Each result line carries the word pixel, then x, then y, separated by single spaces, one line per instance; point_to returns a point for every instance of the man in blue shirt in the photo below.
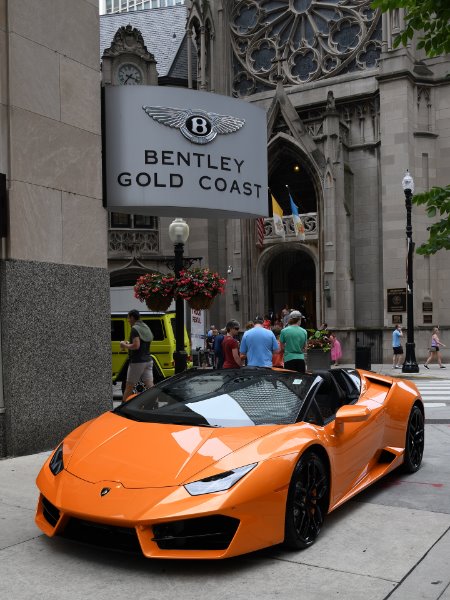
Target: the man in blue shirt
pixel 397 347
pixel 258 344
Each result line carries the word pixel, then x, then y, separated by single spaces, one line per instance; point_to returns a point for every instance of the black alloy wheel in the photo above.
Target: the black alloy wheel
pixel 415 441
pixel 307 502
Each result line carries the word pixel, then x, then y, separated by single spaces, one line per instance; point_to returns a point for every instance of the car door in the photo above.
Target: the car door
pixel 354 447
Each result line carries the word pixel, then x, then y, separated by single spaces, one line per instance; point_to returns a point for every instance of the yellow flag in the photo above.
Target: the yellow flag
pixel 278 226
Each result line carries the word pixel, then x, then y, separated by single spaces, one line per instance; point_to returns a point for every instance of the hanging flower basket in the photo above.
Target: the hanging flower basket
pixel 199 287
pixel 156 290
pixel 200 302
pixel 158 303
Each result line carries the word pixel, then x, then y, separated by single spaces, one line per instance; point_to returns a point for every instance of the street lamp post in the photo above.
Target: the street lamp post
pixel 179 233
pixel 410 365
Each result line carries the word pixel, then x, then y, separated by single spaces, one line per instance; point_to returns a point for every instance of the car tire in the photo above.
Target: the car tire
pixel 307 502
pixel 415 441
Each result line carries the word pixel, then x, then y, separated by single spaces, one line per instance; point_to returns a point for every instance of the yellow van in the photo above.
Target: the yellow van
pixel 161 348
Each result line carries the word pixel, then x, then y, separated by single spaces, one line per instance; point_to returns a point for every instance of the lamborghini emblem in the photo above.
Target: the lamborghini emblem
pixel 197 126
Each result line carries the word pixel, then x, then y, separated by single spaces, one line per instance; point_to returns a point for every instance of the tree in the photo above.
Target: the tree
pixel 431 18
pixel 437 202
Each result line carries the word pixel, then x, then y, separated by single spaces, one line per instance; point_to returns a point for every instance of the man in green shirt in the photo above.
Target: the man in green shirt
pixel 293 339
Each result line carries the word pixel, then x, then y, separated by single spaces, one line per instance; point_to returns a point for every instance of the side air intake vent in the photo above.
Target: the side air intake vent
pixel 204 533
pixel 50 512
pixel 105 536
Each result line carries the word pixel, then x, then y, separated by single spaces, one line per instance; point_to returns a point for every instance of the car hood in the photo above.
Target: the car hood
pixel 140 455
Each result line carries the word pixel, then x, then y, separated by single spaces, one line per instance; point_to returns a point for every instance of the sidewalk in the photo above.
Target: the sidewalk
pixel 396 537
pixel 433 372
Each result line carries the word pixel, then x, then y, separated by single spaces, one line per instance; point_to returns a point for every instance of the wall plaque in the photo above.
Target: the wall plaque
pixel 397 319
pixel 428 319
pixel 396 300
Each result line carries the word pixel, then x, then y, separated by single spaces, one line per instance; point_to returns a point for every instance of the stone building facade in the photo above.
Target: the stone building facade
pixel 347 114
pixel 54 286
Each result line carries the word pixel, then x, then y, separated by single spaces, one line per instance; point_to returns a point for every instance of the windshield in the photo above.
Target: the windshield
pixel 228 398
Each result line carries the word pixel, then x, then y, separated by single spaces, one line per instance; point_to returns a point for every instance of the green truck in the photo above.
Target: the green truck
pixel 161 349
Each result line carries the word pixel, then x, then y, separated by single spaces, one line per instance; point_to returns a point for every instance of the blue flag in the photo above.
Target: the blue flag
pixel 299 228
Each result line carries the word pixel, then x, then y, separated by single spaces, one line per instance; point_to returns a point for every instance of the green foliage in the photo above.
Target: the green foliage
pixel 437 203
pixel 430 17
pixel 318 339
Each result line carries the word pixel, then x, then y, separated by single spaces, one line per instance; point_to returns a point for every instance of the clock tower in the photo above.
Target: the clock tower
pixel 127 61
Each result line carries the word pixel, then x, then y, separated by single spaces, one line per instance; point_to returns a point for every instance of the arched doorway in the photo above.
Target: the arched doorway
pixel 291 172
pixel 291 279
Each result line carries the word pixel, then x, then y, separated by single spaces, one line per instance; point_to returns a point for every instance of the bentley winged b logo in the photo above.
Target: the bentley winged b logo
pixel 198 126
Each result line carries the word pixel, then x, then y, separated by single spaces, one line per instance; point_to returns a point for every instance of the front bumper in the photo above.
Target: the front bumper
pixel 167 522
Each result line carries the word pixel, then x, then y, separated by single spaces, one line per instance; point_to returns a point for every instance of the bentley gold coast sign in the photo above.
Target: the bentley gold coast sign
pixel 183 153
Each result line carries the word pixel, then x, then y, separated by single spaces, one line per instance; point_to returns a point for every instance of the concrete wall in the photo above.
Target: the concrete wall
pixel 54 311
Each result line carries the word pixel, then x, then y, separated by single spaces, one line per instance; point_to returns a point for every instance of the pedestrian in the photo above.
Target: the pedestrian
pixel 323 327
pixel 249 325
pixel 397 347
pixel 284 312
pixel 218 351
pixel 278 359
pixel 286 317
pixel 278 322
pixel 210 337
pixel 258 345
pixel 336 349
pixel 293 340
pixel 434 349
pixel 267 323
pixel 140 367
pixel 230 346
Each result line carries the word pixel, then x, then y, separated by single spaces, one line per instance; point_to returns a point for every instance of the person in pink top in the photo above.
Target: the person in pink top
pixel 278 359
pixel 336 349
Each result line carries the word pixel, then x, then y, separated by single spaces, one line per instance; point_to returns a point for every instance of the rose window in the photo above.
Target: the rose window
pixel 301 41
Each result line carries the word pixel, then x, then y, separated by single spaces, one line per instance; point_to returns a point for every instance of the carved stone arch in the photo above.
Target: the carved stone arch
pixel 329 177
pixel 129 40
pixel 283 148
pixel 263 265
pixel 128 46
pixel 200 27
pixel 127 276
pixel 284 140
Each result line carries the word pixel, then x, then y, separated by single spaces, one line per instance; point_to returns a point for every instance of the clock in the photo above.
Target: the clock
pixel 129 74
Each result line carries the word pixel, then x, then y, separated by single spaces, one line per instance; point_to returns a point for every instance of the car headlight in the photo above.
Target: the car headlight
pixel 57 464
pixel 218 483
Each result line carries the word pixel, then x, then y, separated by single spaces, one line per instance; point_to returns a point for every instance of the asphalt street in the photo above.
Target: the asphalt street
pixel 391 541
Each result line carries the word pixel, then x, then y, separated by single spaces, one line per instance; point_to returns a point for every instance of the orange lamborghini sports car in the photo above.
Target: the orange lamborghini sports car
pixel 212 464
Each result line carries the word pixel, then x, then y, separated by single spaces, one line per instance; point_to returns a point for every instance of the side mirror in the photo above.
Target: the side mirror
pixel 350 414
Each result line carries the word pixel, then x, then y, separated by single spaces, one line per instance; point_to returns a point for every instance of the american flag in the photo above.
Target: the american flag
pixel 260 232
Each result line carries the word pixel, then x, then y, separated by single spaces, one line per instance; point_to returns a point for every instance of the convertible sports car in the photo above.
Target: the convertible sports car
pixel 212 464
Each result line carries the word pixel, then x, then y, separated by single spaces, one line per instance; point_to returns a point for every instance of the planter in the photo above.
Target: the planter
pixel 200 302
pixel 158 303
pixel 317 359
